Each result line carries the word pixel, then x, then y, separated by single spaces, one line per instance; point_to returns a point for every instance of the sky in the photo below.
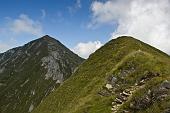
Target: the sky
pixel 84 25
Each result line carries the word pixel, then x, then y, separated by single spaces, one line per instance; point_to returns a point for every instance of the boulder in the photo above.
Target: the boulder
pixel 109 86
pixel 141 103
pixel 125 94
pixel 166 84
pixel 118 101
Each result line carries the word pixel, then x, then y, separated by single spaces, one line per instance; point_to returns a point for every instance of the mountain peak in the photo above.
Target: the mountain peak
pixel 126 38
pixel 46 42
pixel 123 76
pixel 48 38
pixel 35 70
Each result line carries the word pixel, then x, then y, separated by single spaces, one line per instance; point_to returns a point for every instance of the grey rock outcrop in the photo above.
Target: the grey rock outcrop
pixel 30 72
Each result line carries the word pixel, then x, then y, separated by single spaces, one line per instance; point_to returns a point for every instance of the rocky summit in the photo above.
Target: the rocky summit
pixel 124 76
pixel 31 72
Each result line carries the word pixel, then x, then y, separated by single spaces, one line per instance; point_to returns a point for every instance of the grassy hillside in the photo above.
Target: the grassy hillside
pixel 123 76
pixel 30 72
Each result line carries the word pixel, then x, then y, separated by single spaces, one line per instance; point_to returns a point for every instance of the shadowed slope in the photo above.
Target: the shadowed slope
pixel 30 72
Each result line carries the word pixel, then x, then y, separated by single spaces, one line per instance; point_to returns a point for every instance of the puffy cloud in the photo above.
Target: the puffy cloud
pixel 24 24
pixel 147 20
pixel 13 29
pixel 85 49
pixel 109 11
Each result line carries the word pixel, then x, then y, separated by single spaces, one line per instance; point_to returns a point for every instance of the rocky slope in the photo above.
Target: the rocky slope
pixel 124 76
pixel 29 73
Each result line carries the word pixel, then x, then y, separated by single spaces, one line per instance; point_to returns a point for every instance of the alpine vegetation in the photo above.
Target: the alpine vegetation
pixel 30 72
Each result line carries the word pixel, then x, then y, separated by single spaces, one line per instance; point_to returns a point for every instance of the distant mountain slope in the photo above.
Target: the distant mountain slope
pixel 29 73
pixel 124 76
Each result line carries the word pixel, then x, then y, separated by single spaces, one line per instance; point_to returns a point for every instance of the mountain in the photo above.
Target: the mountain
pixel 30 72
pixel 124 76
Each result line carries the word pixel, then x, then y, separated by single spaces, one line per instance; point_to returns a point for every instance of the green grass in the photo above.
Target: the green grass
pixel 17 99
pixel 79 94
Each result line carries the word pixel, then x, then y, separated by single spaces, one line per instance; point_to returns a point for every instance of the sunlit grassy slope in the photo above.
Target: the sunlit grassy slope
pixel 129 61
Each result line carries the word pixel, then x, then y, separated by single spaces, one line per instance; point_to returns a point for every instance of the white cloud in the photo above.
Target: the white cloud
pixel 73 9
pixel 43 13
pixel 3 47
pixel 85 49
pixel 109 11
pixel 13 29
pixel 147 20
pixel 7 43
pixel 24 24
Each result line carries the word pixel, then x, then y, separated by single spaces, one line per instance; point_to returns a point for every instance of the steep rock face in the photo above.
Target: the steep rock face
pixel 124 76
pixel 31 72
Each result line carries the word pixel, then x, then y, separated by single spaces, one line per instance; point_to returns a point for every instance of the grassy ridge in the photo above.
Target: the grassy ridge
pixel 79 94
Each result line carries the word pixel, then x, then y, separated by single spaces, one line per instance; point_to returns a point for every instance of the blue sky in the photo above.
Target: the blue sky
pixel 66 20
pixel 84 25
